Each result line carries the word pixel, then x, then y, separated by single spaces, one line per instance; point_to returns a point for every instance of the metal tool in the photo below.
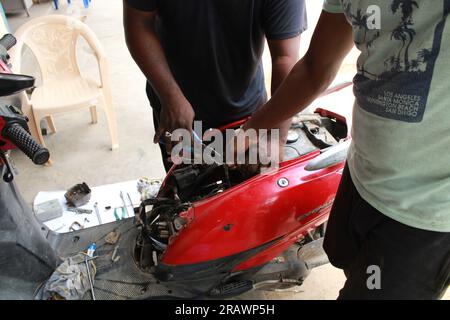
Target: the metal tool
pixel 91 283
pixel 212 150
pixel 75 224
pixel 114 256
pixel 131 202
pixel 124 203
pixel 90 279
pixel 190 150
pixel 79 210
pixel 116 215
pixel 90 254
pixel 97 213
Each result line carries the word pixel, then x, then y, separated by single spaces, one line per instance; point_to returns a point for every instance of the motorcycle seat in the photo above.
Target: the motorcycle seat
pixel 14 83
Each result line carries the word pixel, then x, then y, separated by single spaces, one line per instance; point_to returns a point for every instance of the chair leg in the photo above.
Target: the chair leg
pixel 27 110
pixel 94 114
pixel 51 123
pixel 25 7
pixel 40 138
pixel 106 101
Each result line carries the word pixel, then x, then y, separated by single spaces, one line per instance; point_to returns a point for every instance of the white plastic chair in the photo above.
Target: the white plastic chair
pixel 53 39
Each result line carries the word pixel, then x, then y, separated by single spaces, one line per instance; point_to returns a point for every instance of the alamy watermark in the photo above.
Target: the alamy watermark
pixel 373 14
pixel 231 147
pixel 374 280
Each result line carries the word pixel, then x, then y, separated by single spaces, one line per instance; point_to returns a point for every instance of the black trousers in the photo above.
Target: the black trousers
pixel 412 263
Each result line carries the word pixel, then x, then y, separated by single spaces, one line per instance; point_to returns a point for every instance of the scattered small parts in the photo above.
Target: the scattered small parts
pixel 48 210
pixel 112 237
pixel 90 255
pixel 117 216
pixel 78 226
pixel 97 212
pixel 114 256
pixel 148 188
pixel 125 207
pixel 131 203
pixel 79 210
pixel 75 226
pixel 78 195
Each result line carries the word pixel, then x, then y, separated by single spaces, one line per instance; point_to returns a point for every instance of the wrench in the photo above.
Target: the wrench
pixel 131 202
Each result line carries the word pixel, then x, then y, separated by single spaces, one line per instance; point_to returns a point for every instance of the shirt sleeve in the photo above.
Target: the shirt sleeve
pixel 284 19
pixel 333 6
pixel 143 5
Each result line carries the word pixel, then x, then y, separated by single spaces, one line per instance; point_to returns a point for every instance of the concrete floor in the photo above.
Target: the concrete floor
pixel 80 150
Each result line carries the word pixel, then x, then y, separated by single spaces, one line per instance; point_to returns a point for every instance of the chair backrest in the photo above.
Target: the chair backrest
pixel 53 40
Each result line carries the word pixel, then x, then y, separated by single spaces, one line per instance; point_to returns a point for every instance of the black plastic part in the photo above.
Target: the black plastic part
pixel 8 41
pixel 291 268
pixel 14 83
pixel 8 176
pixel 231 289
pixel 25 142
pixel 207 270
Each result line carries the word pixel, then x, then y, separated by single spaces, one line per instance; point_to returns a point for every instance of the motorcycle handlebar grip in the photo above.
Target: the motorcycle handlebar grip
pixel 8 41
pixel 25 142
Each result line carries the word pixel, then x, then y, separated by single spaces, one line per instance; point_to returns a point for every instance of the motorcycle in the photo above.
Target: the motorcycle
pixel 212 231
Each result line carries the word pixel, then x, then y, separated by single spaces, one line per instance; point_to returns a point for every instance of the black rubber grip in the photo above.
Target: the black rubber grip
pixel 25 142
pixel 8 41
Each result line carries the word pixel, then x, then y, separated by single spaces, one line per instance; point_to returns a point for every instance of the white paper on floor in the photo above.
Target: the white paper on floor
pixel 107 195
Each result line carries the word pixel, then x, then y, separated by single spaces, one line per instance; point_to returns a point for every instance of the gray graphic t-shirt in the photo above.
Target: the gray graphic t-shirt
pixel 400 156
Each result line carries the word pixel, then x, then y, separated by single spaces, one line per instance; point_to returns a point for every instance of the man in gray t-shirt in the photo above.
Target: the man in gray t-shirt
pixel 390 224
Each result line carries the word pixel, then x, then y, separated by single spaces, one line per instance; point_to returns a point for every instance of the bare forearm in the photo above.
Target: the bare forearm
pixel 146 50
pixel 297 92
pixel 331 42
pixel 284 57
pixel 280 71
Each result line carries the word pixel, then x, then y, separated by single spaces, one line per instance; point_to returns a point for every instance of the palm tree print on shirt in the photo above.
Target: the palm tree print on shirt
pixel 404 31
pixel 359 21
pixel 410 44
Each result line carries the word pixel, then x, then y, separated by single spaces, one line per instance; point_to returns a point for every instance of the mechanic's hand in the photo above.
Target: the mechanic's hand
pixel 250 150
pixel 176 114
pixel 236 147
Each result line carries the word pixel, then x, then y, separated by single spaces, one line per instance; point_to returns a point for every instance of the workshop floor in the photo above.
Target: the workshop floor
pixel 81 151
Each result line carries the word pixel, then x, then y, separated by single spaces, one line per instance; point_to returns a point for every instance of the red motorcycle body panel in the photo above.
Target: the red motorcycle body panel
pixel 255 213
